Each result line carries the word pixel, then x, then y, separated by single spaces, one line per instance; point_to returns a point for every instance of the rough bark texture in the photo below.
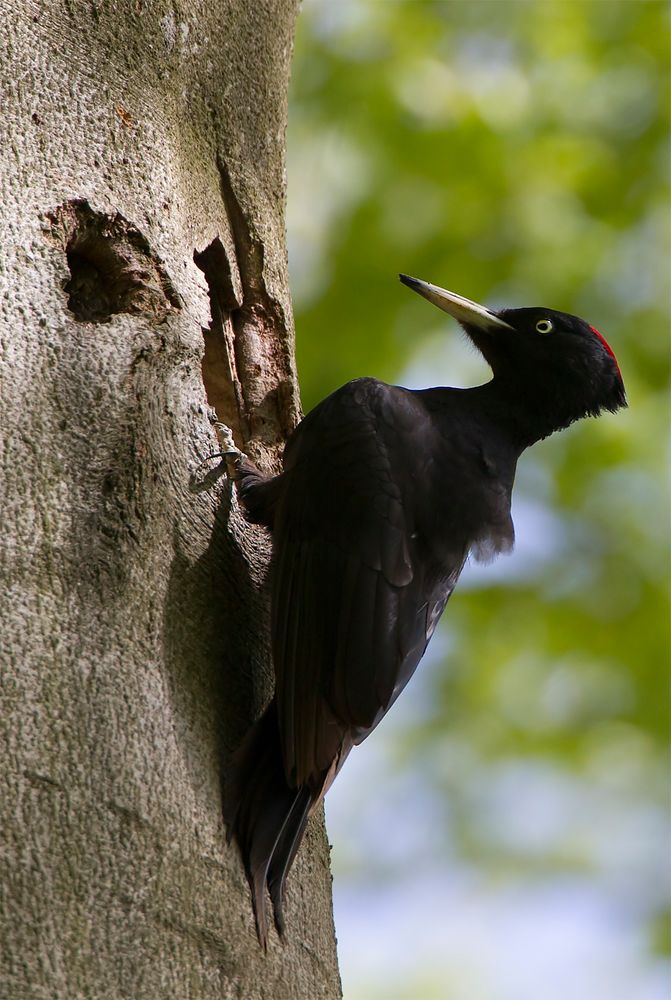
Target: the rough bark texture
pixel 143 276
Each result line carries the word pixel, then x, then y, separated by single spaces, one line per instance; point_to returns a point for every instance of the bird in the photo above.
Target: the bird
pixel 384 494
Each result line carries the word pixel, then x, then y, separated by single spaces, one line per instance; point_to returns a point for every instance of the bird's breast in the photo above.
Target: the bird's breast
pixel 463 502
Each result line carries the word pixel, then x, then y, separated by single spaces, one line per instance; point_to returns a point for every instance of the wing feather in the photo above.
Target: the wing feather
pixel 350 589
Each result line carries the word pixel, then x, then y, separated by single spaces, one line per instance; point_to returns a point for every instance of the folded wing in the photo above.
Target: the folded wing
pixel 355 594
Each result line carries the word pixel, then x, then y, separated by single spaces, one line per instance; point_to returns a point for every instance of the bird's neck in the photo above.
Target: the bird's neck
pixel 526 413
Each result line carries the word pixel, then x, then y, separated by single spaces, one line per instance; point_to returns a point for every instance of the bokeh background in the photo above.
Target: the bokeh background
pixel 504 834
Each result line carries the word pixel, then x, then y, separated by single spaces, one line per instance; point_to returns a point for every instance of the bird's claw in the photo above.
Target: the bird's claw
pixel 231 460
pixel 231 455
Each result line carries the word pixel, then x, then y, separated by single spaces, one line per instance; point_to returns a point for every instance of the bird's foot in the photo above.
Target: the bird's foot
pixel 231 455
pixel 231 460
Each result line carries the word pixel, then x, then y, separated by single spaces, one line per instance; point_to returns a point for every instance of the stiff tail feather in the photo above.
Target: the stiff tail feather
pixel 266 817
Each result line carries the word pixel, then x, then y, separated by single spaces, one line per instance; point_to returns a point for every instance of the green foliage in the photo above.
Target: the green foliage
pixel 516 153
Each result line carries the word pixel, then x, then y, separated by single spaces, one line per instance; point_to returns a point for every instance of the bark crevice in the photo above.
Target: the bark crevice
pixel 112 266
pixel 220 372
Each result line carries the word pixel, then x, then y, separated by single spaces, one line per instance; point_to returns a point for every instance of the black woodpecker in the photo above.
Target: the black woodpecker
pixel 385 492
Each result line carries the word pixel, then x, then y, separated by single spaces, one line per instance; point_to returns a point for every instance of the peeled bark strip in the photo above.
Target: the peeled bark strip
pixel 143 281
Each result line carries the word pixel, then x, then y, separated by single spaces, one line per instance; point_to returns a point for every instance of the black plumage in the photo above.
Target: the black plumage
pixel 384 493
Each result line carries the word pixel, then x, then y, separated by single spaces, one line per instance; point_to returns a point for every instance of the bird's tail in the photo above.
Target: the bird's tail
pixel 266 817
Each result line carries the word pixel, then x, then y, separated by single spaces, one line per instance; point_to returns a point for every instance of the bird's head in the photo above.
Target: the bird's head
pixel 555 364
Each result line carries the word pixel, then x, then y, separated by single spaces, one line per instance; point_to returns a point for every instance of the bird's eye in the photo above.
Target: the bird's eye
pixel 544 326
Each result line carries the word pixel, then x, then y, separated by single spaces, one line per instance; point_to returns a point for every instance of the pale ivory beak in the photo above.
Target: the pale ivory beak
pixel 463 310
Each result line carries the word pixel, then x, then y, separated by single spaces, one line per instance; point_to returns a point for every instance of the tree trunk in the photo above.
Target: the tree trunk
pixel 144 281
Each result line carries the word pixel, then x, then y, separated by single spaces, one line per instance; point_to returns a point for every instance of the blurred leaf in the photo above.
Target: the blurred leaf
pixel 517 153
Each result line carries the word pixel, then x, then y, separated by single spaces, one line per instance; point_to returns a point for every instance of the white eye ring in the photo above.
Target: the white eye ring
pixel 544 326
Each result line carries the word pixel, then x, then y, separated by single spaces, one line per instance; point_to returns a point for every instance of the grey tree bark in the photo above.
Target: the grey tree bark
pixel 144 281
